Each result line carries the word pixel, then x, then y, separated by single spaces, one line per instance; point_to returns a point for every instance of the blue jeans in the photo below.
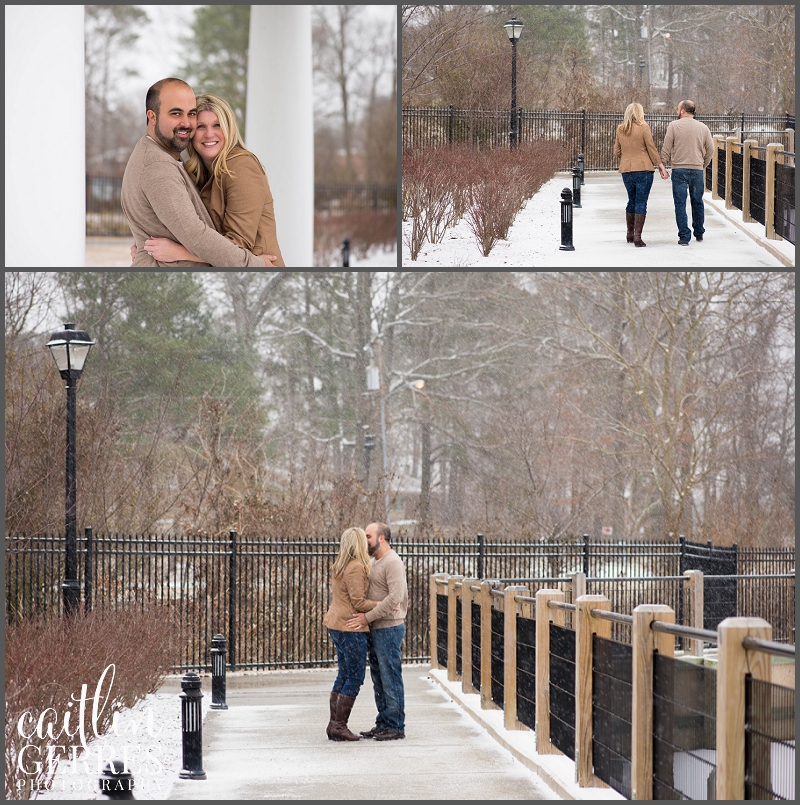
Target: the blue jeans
pixel 351 651
pixel 386 670
pixel 684 179
pixel 638 184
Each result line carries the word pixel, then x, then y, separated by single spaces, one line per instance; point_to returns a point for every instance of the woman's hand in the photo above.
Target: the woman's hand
pixel 133 252
pixel 663 171
pixel 165 250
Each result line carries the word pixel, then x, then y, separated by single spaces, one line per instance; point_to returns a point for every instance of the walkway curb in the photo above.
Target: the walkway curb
pixel 556 771
pixel 713 204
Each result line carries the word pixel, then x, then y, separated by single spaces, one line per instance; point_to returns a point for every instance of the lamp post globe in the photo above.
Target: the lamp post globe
pixel 514 30
pixel 70 348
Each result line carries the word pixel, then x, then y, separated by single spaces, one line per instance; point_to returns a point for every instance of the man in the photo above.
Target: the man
pixel 159 198
pixel 387 584
pixel 689 146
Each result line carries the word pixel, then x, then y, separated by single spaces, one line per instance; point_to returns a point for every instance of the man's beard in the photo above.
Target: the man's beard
pixel 371 549
pixel 173 143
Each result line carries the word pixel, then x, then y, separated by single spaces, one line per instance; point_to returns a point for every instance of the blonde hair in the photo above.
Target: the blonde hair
pixel 195 166
pixel 633 114
pixel 352 547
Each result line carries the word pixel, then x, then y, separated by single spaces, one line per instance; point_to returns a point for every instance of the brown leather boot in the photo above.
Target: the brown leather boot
pixel 638 225
pixel 334 699
pixel 339 731
pixel 629 222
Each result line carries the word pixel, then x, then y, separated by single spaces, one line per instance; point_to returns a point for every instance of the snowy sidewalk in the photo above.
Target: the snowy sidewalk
pixel 599 234
pixel 271 744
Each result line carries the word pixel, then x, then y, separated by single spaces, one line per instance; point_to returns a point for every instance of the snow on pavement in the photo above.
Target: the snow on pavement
pixel 599 234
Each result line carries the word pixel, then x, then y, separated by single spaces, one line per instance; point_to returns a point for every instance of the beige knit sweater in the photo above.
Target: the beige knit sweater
pixel 387 584
pixel 687 144
pixel 161 201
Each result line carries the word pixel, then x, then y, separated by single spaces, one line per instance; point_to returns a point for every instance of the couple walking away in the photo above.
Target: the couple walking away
pixel 215 209
pixel 687 146
pixel 366 618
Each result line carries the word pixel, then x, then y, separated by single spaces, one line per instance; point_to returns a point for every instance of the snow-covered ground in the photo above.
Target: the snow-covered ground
pixel 376 258
pixel 148 738
pixel 534 239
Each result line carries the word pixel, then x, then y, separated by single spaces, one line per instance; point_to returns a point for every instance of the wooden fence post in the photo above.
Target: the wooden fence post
pixel 733 664
pixel 510 609
pixel 645 643
pixel 769 200
pixel 747 152
pixel 452 612
pixel 585 627
pixel 466 635
pixel 544 616
pixel 694 588
pixel 715 166
pixel 486 646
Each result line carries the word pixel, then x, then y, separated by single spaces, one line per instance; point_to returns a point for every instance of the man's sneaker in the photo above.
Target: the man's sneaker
pixel 370 733
pixel 698 237
pixel 389 735
pixel 683 243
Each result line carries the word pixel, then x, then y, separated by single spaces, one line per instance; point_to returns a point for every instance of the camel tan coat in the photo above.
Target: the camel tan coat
pixel 241 207
pixel 636 151
pixel 349 595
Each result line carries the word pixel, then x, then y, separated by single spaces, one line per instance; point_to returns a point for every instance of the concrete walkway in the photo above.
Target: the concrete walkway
pixel 599 232
pixel 271 744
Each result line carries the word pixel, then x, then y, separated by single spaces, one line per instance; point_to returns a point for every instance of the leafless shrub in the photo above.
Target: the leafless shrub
pixel 48 662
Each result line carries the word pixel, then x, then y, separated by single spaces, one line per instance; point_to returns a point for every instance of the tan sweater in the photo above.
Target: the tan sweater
pixel 636 151
pixel 687 144
pixel 349 595
pixel 241 207
pixel 387 584
pixel 160 201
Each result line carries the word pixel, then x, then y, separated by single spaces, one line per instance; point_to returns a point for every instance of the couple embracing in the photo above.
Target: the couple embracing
pixel 687 146
pixel 366 618
pixel 216 209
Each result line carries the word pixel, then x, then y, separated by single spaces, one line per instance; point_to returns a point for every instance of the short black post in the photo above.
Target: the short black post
pixel 566 221
pixel 582 167
pixel 116 782
pixel 576 187
pixel 346 253
pixel 87 570
pixel 192 727
pixel 218 673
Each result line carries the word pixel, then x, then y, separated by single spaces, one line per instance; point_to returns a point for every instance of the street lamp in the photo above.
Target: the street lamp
pixel 514 30
pixel 70 348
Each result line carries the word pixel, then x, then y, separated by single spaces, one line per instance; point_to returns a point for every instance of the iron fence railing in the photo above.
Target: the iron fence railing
pixel 268 596
pixel 583 132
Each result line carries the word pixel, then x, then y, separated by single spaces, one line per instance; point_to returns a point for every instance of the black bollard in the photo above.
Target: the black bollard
pixel 566 221
pixel 116 782
pixel 576 187
pixel 581 166
pixel 218 653
pixel 346 253
pixel 192 727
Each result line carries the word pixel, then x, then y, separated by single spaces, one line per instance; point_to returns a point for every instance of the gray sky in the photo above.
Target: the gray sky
pixel 158 53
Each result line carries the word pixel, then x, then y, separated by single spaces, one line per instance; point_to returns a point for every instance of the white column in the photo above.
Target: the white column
pixel 280 121
pixel 45 142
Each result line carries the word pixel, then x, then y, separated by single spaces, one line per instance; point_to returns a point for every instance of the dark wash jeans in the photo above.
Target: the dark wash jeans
pixel 351 651
pixel 638 184
pixel 386 670
pixel 683 180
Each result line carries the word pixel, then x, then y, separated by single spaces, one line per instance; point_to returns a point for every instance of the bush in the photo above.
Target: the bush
pixel 47 662
pixel 364 229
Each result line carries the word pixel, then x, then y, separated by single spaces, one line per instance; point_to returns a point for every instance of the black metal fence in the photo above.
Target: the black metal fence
pixel 588 133
pixel 268 596
pixel 104 214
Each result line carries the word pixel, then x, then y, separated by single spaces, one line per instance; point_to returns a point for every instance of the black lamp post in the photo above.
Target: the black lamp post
pixel 70 348
pixel 514 30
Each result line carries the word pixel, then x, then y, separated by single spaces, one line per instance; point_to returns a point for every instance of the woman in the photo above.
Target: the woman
pixel 232 183
pixel 638 155
pixel 349 585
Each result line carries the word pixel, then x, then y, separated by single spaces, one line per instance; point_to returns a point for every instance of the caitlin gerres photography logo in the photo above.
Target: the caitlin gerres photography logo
pixel 52 736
